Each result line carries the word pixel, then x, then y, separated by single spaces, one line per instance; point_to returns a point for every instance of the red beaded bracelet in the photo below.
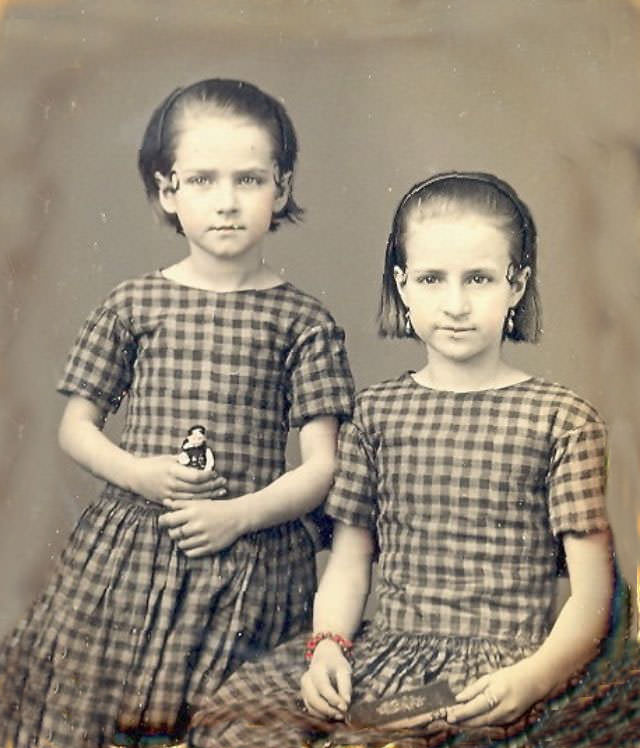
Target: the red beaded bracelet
pixel 345 644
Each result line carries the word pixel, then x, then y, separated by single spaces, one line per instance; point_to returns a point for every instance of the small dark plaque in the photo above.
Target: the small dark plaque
pixel 408 709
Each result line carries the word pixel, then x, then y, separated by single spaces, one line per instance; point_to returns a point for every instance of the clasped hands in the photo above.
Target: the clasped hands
pixel 497 698
pixel 198 525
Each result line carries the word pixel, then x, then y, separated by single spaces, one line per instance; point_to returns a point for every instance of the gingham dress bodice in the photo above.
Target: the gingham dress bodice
pixel 468 494
pixel 247 365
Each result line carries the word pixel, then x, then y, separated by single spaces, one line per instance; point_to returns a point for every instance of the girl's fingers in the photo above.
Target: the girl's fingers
pixel 166 520
pixel 312 701
pixel 205 549
pixel 327 691
pixel 173 518
pixel 313 683
pixel 494 717
pixel 343 683
pixel 316 704
pixel 202 490
pixel 315 713
pixel 177 533
pixel 182 491
pixel 479 707
pixel 173 504
pixel 192 542
pixel 473 689
pixel 204 478
pixel 186 492
pixel 195 477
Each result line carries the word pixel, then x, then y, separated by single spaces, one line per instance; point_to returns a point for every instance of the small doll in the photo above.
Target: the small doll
pixel 194 451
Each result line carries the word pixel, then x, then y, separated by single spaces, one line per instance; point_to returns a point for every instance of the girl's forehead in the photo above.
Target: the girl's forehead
pixel 456 237
pixel 212 134
pixel 430 215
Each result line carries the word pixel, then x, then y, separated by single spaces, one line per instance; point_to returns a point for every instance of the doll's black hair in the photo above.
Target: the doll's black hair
pixel 157 152
pixel 197 427
pixel 476 192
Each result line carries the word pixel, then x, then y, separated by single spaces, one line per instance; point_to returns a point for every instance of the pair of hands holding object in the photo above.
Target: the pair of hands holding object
pixel 186 485
pixel 496 698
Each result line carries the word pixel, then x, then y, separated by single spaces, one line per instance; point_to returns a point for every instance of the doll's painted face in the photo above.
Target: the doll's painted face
pixel 455 284
pixel 196 438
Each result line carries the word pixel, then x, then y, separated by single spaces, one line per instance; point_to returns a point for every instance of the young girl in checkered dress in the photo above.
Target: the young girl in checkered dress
pixel 176 575
pixel 467 481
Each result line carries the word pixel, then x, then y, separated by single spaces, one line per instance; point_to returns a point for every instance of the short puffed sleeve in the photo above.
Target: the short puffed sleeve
pixel 319 375
pixel 100 363
pixel 576 481
pixel 353 497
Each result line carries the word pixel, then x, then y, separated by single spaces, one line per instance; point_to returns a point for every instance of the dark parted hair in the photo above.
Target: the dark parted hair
pixel 235 97
pixel 452 192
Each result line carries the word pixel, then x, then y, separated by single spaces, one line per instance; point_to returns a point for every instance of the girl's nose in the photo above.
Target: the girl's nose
pixel 225 199
pixel 456 302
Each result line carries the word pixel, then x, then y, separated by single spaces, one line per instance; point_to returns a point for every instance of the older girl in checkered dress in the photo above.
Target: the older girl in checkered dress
pixel 176 575
pixel 468 481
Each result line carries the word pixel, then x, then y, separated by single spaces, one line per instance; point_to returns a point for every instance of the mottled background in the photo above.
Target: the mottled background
pixel 544 92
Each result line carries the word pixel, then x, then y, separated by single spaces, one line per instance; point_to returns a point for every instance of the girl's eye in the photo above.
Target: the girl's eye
pixel 479 279
pixel 199 180
pixel 249 180
pixel 429 279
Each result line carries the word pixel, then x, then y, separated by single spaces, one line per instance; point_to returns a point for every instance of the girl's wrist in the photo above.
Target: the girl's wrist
pixel 248 513
pixel 540 674
pixel 327 640
pixel 130 473
pixel 325 649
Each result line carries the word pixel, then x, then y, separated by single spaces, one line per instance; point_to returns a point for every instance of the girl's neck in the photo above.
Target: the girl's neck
pixel 443 374
pixel 223 276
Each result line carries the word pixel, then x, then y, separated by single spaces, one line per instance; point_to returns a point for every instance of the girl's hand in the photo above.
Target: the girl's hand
pixel 202 527
pixel 497 698
pixel 162 477
pixel 326 686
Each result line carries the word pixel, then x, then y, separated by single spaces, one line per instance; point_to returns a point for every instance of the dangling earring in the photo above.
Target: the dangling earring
pixel 408 326
pixel 510 324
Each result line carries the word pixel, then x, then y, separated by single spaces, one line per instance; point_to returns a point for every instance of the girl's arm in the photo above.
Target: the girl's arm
pixel 338 608
pixel 204 527
pixel 156 478
pixel 573 640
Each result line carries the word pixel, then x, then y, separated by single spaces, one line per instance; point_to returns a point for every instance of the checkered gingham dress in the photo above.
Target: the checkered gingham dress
pixel 130 629
pixel 468 495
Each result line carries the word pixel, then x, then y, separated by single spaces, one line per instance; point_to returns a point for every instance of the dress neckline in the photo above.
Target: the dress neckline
pixel 159 273
pixel 410 375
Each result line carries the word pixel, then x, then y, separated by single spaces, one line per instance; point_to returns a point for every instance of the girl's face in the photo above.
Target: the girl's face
pixel 226 182
pixel 456 286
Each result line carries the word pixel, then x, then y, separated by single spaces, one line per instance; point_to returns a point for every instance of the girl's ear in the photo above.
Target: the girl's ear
pixel 283 183
pixel 519 282
pixel 166 192
pixel 400 277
